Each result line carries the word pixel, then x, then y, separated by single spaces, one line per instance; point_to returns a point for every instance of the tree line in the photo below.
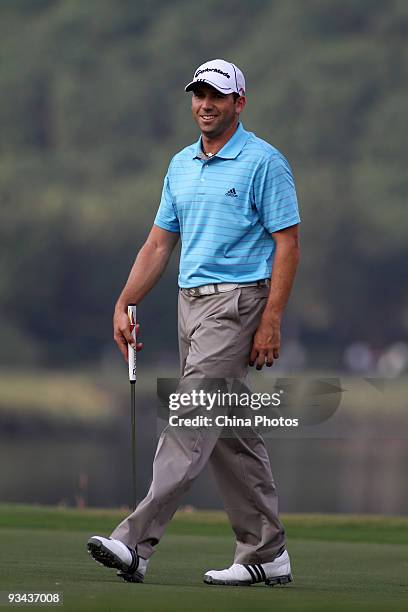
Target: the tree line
pixel 93 107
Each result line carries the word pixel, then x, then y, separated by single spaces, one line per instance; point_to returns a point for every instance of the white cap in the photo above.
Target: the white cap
pixel 222 75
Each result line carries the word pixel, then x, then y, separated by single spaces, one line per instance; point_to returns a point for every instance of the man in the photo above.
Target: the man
pixel 231 199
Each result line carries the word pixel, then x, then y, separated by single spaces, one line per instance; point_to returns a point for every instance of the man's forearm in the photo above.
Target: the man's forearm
pixel 283 274
pixel 149 265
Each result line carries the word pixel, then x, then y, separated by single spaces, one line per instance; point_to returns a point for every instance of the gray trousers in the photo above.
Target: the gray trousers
pixel 215 339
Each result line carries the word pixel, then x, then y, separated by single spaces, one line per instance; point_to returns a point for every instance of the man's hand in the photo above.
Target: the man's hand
pixel 266 344
pixel 267 338
pixel 122 334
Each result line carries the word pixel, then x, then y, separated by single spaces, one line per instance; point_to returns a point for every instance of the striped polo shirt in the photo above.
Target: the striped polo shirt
pixel 226 207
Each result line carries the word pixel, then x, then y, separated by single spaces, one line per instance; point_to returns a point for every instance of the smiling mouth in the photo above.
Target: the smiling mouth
pixel 207 117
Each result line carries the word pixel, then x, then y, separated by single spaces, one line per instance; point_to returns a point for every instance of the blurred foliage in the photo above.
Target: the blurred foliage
pixel 93 107
pixel 65 397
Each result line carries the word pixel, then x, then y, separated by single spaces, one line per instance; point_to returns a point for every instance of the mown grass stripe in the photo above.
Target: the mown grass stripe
pixel 323 527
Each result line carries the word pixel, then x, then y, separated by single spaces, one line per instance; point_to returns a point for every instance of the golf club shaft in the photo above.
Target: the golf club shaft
pixel 133 434
pixel 132 380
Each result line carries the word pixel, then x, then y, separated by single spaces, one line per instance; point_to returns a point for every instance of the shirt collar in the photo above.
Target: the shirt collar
pixel 232 147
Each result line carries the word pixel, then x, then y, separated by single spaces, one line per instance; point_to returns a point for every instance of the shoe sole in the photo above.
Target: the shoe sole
pixel 270 582
pixel 282 580
pixel 104 556
pixel 210 580
pixel 136 577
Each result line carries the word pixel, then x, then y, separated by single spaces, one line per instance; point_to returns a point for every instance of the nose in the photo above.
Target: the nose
pixel 207 103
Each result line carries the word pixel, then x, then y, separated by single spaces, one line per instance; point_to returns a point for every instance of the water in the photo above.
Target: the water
pixel 93 469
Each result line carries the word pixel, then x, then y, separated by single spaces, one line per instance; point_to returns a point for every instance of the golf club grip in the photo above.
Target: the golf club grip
pixel 132 351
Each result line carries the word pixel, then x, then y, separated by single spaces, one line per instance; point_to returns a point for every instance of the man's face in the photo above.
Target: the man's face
pixel 213 111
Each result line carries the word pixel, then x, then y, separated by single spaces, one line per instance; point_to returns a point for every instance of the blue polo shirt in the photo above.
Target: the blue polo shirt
pixel 225 209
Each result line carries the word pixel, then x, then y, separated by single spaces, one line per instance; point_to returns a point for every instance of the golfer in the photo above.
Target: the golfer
pixel 230 198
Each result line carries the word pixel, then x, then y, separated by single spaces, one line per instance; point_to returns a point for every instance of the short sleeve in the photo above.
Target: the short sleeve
pixel 275 194
pixel 166 216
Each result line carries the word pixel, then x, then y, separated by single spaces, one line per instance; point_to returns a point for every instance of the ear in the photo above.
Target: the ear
pixel 240 104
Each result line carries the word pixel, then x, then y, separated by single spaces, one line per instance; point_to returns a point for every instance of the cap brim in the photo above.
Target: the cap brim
pixel 193 84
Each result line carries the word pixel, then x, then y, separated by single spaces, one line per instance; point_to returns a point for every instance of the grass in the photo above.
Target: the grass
pixel 339 563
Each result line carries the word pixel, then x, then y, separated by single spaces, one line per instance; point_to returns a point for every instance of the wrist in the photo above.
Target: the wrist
pixel 271 318
pixel 120 306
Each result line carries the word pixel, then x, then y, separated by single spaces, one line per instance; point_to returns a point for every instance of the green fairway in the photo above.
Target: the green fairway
pixel 339 563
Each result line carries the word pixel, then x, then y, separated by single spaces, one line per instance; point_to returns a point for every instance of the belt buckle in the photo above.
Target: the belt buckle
pixel 194 291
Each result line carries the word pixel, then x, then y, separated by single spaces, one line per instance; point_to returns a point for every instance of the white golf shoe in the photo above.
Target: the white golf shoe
pixel 275 572
pixel 115 554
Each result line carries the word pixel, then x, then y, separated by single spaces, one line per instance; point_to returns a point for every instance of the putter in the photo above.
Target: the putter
pixel 132 380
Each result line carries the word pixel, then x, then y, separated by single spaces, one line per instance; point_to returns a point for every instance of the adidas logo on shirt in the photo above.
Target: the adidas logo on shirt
pixel 232 193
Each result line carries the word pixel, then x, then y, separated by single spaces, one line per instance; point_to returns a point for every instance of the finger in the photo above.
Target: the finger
pixel 137 346
pixel 276 353
pixel 123 336
pixel 127 335
pixel 269 359
pixel 122 345
pixel 260 360
pixel 253 356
